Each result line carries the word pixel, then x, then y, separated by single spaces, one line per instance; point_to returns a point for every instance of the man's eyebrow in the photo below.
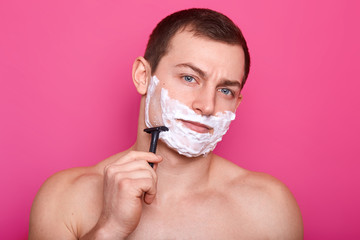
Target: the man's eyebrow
pixel 194 68
pixel 230 83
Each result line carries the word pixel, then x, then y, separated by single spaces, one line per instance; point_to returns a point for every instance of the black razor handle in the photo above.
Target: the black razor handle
pixel 155 132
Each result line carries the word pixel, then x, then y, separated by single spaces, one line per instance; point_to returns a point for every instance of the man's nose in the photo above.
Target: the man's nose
pixel 204 102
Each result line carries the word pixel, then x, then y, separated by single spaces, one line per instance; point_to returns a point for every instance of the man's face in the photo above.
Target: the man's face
pixel 203 74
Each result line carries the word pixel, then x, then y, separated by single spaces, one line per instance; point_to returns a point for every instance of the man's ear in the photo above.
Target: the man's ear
pixel 141 74
pixel 238 101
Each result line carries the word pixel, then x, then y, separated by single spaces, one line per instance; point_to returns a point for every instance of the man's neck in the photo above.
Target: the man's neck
pixel 179 173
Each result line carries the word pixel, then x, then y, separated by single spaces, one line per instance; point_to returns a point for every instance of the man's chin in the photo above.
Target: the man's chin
pixel 185 153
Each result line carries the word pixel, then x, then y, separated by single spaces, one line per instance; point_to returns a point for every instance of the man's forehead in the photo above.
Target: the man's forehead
pixel 186 47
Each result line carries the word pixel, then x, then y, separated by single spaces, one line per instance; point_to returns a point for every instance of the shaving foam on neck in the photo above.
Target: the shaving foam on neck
pixel 179 137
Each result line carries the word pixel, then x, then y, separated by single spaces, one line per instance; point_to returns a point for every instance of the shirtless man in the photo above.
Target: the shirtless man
pixel 190 79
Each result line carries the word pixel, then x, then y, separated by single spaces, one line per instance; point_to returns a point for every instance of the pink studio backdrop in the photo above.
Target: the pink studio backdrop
pixel 67 98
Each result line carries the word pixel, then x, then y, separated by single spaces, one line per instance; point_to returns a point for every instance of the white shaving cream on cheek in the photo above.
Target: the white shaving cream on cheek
pixel 181 138
pixel 150 93
pixel 152 105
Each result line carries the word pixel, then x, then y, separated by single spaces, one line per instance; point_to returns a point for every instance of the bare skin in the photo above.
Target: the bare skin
pixel 207 197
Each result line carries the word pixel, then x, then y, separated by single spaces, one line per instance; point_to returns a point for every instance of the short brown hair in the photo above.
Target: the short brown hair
pixel 203 22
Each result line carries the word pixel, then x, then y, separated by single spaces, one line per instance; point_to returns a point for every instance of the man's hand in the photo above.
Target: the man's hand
pixel 126 182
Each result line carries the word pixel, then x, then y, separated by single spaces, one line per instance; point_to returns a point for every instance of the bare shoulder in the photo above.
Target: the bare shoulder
pixel 264 200
pixel 61 206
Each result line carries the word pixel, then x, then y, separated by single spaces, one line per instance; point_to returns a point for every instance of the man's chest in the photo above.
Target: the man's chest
pixel 191 223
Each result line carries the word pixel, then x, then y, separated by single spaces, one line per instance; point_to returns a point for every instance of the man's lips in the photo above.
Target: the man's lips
pixel 195 126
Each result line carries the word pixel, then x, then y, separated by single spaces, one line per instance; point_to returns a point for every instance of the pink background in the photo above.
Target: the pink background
pixel 67 98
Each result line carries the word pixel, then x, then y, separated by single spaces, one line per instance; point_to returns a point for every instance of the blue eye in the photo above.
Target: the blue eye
pixel 225 91
pixel 189 79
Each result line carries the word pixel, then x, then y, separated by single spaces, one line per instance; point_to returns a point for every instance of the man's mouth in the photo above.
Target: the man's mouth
pixel 197 127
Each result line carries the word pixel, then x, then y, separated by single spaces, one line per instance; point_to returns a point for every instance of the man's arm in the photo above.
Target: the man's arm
pixel 278 211
pixel 86 204
pixel 287 220
pixel 49 209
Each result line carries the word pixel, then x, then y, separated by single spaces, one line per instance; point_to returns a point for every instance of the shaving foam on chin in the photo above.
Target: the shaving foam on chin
pixel 179 137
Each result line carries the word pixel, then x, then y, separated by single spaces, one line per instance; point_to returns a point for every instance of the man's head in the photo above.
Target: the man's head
pixel 195 66
pixel 201 22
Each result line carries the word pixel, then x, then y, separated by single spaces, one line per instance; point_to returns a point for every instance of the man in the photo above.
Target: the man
pixel 190 79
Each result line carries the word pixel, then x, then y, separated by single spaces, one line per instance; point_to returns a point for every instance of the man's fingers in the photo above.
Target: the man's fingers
pixel 136 156
pixel 149 198
pixel 137 187
pixel 121 169
pixel 137 174
pixel 132 177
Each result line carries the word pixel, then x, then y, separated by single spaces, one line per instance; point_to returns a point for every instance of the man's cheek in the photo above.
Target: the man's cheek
pixel 155 114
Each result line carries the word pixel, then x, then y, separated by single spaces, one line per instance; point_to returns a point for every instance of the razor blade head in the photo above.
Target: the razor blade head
pixel 156 129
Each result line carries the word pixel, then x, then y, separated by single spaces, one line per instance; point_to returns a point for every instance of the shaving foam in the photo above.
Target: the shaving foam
pixel 150 93
pixel 184 140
